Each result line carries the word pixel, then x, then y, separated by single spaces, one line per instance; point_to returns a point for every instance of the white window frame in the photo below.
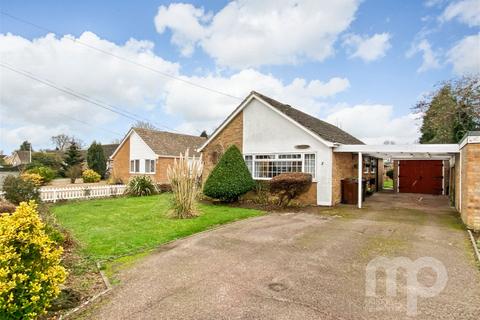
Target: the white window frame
pixel 151 166
pixel 276 157
pixel 135 166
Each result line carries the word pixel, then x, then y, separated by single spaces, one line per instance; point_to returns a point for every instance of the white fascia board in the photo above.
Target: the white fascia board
pixel 314 135
pixel 229 119
pixel 398 148
pixel 469 139
pixel 121 143
pixel 244 104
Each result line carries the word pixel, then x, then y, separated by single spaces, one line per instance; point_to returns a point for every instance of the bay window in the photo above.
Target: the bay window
pixel 267 166
pixel 142 166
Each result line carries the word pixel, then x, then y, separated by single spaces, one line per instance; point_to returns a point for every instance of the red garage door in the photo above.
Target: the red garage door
pixel 420 176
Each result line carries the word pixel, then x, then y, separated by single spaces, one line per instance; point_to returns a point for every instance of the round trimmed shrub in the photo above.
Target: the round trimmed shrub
pixel 18 190
pixel 30 269
pixel 140 186
pixel 289 185
pixel 230 178
pixel 47 174
pixel 33 177
pixel 90 176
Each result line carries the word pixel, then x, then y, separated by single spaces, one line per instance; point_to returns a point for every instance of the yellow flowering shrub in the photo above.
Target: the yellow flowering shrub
pixel 90 176
pixel 30 270
pixel 35 178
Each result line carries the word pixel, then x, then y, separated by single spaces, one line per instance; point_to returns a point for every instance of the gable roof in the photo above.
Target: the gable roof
pixel 23 156
pixel 325 131
pixel 109 149
pixel 165 143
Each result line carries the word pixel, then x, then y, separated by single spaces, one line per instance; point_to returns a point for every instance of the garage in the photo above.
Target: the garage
pixel 420 176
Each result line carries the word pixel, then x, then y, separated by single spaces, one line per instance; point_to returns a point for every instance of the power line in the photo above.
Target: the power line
pixel 167 75
pixel 78 95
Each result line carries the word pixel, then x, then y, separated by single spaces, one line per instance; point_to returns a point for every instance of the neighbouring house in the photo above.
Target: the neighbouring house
pixel 108 150
pixel 150 152
pixel 18 158
pixel 275 138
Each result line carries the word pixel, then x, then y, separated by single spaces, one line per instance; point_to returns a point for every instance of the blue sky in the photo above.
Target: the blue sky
pixel 360 65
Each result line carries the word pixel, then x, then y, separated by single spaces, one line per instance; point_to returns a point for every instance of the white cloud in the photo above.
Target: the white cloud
pixel 186 20
pixel 466 11
pixel 249 33
pixel 465 55
pixel 375 123
pixel 205 111
pixel 33 111
pixel 368 48
pixel 429 57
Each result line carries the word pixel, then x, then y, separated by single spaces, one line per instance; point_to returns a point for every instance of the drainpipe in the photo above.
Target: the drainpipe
pixel 360 168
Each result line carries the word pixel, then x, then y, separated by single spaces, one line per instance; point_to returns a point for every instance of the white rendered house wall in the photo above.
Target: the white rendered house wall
pixel 139 150
pixel 266 131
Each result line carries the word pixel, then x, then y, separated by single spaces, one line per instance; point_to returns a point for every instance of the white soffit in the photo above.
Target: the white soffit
pixel 406 151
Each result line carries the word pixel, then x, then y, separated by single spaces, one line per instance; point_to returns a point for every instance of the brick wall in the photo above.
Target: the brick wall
pixel 470 185
pixel 121 162
pixel 121 166
pixel 342 168
pixel 310 196
pixel 231 134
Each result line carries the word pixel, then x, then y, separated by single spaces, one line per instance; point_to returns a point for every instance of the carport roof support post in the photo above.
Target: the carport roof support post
pixel 360 168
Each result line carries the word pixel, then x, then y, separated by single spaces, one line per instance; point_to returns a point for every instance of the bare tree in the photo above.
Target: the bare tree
pixel 144 125
pixel 63 141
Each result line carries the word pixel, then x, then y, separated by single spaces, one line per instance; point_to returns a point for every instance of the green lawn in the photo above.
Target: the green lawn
pixel 109 228
pixel 388 184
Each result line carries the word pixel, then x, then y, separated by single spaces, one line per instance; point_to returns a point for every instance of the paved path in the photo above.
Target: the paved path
pixel 303 266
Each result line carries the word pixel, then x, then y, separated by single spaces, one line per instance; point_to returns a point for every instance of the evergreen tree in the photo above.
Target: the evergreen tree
pixel 25 146
pixel 450 111
pixel 73 156
pixel 96 159
pixel 230 178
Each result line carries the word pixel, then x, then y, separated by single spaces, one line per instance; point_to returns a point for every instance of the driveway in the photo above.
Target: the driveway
pixel 304 265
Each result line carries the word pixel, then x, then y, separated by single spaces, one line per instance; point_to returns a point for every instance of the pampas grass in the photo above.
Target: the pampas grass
pixel 185 178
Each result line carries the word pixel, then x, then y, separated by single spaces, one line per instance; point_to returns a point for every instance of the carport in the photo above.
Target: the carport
pixel 424 158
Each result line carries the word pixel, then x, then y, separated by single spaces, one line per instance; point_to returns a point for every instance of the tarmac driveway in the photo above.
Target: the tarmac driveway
pixel 308 265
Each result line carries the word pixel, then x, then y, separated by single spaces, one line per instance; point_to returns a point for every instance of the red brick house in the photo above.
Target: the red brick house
pixel 275 137
pixel 150 152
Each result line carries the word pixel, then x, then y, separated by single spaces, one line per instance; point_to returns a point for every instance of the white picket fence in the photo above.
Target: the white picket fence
pixel 50 194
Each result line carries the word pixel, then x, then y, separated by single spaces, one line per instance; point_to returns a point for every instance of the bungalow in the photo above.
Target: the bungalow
pixel 275 138
pixel 18 158
pixel 150 152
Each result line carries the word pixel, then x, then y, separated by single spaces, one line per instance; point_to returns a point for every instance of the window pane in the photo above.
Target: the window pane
pixel 289 156
pixel 264 156
pixel 132 166
pixel 147 166
pixel 310 164
pixel 137 165
pixel 152 166
pixel 249 163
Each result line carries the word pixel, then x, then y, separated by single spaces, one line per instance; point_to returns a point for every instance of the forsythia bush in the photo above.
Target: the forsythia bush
pixel 35 178
pixel 30 270
pixel 90 176
pixel 47 174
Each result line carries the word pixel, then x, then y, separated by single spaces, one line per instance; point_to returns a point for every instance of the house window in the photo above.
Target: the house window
pixel 310 164
pixel 367 165
pixel 134 166
pixel 249 163
pixel 149 166
pixel 373 165
pixel 267 166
